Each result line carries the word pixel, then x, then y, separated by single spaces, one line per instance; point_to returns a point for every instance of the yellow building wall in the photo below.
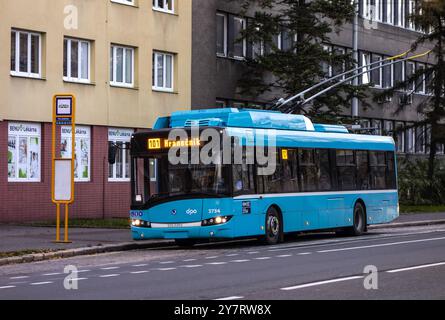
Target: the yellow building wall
pixel 104 23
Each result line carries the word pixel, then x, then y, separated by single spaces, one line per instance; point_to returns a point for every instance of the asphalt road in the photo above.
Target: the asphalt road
pixel 410 264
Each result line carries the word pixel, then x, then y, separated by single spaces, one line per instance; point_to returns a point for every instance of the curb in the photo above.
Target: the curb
pixel 62 254
pixel 407 224
pixel 128 246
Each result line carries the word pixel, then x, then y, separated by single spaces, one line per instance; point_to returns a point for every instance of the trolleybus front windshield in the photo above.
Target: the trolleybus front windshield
pixel 154 178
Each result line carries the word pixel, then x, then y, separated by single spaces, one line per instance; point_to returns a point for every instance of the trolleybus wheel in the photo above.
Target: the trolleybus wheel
pixel 359 226
pixel 274 227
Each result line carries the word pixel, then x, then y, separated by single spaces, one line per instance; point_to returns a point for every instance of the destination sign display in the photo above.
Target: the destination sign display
pixel 159 144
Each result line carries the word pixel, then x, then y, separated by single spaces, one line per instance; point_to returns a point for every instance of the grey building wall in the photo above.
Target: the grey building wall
pixel 216 78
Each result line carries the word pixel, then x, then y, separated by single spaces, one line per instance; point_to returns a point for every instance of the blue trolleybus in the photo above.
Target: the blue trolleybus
pixel 325 178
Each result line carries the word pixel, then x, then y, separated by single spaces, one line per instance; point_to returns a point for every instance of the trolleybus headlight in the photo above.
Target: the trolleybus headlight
pixel 216 221
pixel 140 224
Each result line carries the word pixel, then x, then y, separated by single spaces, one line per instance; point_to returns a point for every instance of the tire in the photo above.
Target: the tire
pixel 185 243
pixel 359 226
pixel 274 227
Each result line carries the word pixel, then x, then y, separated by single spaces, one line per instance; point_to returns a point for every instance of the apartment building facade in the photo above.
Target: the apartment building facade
pixel 127 61
pixel 384 30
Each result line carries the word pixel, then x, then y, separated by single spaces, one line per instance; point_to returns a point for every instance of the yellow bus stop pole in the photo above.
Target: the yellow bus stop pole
pixel 66 223
pixel 58 223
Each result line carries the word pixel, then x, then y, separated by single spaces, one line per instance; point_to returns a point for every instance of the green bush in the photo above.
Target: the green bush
pixel 415 188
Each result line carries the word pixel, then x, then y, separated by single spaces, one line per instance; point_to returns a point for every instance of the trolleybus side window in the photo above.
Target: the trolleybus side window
pixel 324 172
pixel 363 177
pixel 391 182
pixel 378 169
pixel 346 168
pixel 308 170
pixel 290 171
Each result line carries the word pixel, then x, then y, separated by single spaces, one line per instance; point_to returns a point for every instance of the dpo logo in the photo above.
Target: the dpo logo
pixel 191 212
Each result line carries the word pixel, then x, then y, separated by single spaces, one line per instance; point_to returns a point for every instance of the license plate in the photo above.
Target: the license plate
pixel 176 225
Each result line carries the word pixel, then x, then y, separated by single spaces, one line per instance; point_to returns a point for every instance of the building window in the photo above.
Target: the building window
pixel 365 61
pixel 376 74
pixel 421 80
pixel 82 147
pixel 120 171
pixel 221 34
pixel 24 152
pixel 411 11
pixel 76 60
pixel 163 72
pixel 164 5
pixel 387 74
pixel 410 71
pixel 220 104
pixel 122 66
pixel 400 137
pixel 26 53
pixel 373 10
pixel 399 12
pixel 127 2
pixel 239 46
pixel 410 138
pixel 399 73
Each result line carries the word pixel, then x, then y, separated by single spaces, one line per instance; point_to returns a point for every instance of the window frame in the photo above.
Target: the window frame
pixel 155 86
pixel 68 77
pixel 16 72
pixel 28 137
pixel 78 137
pixel 225 30
pixel 244 42
pixel 122 140
pixel 131 3
pixel 113 81
pixel 156 7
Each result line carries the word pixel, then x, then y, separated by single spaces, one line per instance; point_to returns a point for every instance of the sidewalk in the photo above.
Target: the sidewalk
pixel 13 238
pixel 91 241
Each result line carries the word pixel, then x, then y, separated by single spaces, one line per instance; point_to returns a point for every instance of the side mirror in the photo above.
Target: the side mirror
pixel 112 151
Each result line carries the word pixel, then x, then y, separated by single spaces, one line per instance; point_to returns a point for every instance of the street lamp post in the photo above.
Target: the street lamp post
pixel 354 107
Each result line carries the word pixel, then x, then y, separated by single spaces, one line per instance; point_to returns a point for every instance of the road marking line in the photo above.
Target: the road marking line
pixel 189 260
pixel 232 255
pixel 253 252
pixel 140 265
pixel 110 275
pixel 305 253
pixel 382 245
pixel 191 266
pixel 83 271
pixel 319 283
pixel 216 263
pixel 263 258
pixel 213 257
pixel 110 268
pixel 41 283
pixel 7 287
pixel 165 269
pixel 240 261
pixel 284 256
pixel 78 279
pixel 166 262
pixel 332 242
pixel 229 298
pixel 140 272
pixel 417 267
pixel 18 278
pixel 52 274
